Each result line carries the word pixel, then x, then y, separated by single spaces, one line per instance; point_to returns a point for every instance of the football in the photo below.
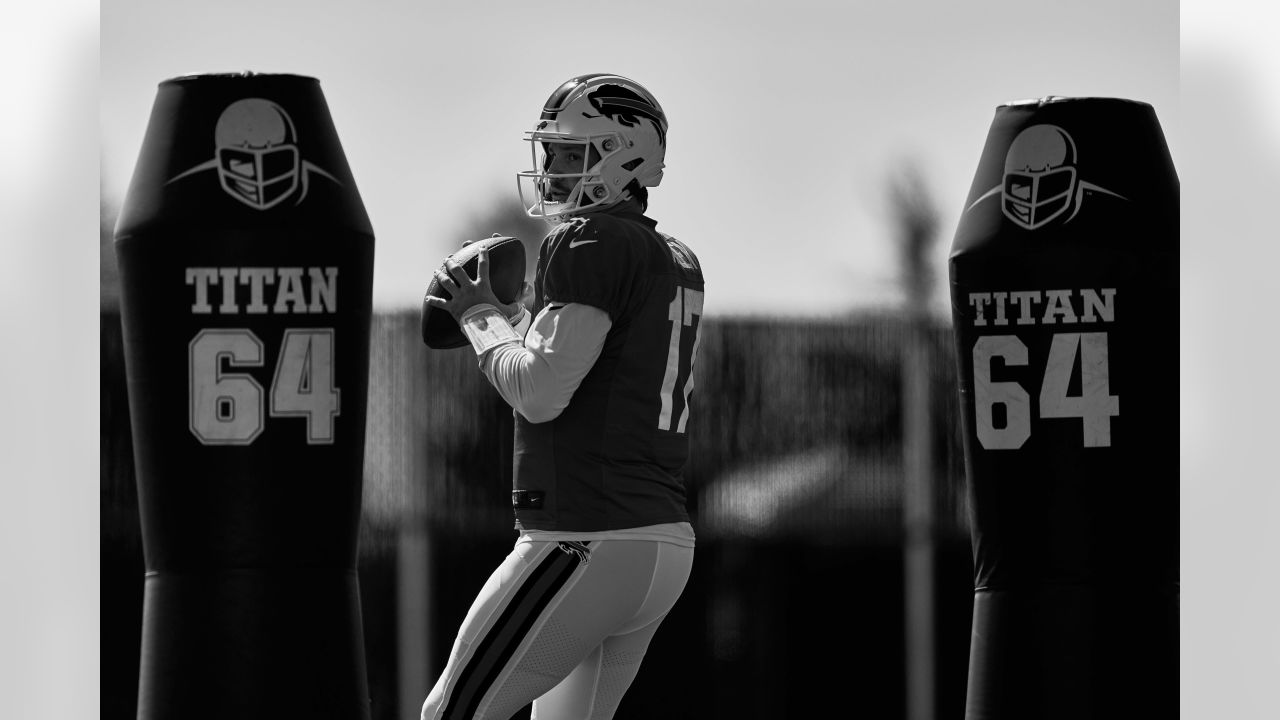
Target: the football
pixel 506 273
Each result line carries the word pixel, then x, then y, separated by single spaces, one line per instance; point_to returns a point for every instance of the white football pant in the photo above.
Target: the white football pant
pixel 563 625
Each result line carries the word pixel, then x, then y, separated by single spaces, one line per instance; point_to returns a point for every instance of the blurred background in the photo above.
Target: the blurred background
pixel 818 159
pixel 819 155
pixel 787 119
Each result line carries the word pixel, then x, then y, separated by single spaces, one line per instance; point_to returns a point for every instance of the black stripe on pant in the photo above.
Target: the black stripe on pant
pixel 504 636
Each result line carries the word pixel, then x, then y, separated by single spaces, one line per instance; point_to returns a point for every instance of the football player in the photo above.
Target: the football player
pixel 599 372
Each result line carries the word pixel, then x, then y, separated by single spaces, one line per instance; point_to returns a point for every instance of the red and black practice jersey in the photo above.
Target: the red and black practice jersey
pixel 614 457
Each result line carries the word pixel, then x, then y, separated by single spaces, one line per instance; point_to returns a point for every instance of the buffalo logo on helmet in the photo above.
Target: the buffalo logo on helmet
pixel 1041 181
pixel 619 103
pixel 256 155
pixel 625 107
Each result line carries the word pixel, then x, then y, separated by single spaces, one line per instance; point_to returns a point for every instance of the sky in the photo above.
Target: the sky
pixel 787 120
pixel 81 78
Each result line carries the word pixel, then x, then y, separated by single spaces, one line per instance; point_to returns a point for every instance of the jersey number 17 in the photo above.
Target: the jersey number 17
pixel 686 305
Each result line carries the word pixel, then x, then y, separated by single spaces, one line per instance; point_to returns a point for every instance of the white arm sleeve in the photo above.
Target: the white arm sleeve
pixel 559 350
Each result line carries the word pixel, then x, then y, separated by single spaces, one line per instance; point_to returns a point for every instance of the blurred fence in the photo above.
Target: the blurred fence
pixel 795 606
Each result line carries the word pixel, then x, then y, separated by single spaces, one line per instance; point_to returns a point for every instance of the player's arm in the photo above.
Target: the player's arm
pixel 539 377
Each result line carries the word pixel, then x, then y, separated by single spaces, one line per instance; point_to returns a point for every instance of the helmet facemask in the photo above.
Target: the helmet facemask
pixel 591 186
pixel 1032 199
pixel 259 177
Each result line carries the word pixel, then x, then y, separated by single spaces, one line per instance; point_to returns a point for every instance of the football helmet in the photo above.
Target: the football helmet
pixel 1039 175
pixel 257 152
pixel 623 133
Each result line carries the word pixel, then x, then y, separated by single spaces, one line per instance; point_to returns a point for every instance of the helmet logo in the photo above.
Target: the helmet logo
pixel 256 155
pixel 1039 176
pixel 625 107
pixel 1040 180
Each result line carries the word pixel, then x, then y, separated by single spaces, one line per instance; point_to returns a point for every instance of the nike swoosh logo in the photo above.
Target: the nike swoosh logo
pixel 575 243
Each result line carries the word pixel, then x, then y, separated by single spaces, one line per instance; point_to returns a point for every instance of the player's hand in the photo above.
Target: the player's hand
pixel 467 293
pixel 468 242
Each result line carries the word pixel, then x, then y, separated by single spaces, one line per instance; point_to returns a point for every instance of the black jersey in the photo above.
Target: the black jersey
pixel 614 457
